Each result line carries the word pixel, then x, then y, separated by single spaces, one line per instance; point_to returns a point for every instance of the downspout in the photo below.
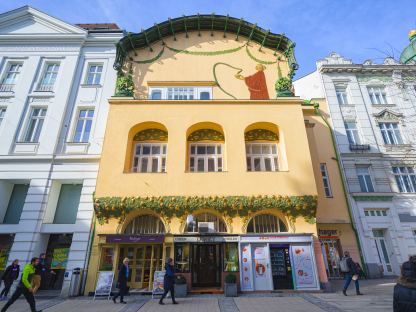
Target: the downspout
pixel 318 112
pixel 87 262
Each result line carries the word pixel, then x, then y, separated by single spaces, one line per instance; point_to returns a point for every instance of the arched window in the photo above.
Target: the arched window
pixel 266 223
pixel 150 149
pixel 145 224
pixel 262 150
pixel 205 222
pixel 206 150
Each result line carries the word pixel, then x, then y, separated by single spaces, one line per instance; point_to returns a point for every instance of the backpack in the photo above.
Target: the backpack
pixel 343 265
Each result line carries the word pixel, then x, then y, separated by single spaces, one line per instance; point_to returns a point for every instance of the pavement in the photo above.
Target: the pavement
pixel 377 297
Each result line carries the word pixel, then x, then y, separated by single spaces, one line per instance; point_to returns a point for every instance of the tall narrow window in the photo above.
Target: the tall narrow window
pixel 83 129
pixel 49 77
pixel 341 95
pixel 377 95
pixel 205 157
pixel 390 132
pixel 364 178
pixel 94 74
pixel 150 157
pixel 16 203
pixel 68 202
pixel 325 180
pixel 2 114
pixel 34 128
pixel 352 132
pixel 405 179
pixel 10 78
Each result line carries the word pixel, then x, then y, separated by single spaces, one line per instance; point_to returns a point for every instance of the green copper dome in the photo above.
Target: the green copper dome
pixel 409 53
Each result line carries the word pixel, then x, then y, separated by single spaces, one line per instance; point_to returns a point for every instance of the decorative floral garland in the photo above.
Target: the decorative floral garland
pixel 258 60
pixel 228 206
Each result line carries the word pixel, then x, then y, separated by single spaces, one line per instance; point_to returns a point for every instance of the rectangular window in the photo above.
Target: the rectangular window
pixel 149 157
pixel 16 203
pixel 352 132
pixel 230 257
pixel 364 178
pixel 94 74
pixel 180 93
pixel 10 77
pixel 375 212
pixel 83 128
pixel 49 77
pixel 377 95
pixel 182 257
pixel 34 128
pixel 405 179
pixel 325 180
pixel 341 95
pixel 262 157
pixel 2 114
pixel 391 133
pixel 205 157
pixel 68 202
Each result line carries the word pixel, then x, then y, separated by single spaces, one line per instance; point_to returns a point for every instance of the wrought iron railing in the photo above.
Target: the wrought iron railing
pixel 6 87
pixel 359 147
pixel 45 88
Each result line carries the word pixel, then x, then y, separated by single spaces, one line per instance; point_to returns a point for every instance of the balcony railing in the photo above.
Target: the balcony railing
pixel 6 87
pixel 359 147
pixel 45 88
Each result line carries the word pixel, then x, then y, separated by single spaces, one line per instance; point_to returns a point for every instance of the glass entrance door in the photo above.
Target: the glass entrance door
pixel 382 251
pixel 261 267
pixel 331 250
pixel 206 265
pixel 144 261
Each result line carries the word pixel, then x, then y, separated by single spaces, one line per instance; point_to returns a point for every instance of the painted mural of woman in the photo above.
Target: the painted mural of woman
pixel 256 83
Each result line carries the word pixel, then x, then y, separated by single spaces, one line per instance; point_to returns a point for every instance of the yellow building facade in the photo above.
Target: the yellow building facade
pixel 207 160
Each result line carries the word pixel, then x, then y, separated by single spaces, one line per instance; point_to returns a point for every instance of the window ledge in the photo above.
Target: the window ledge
pixel 84 85
pixel 26 147
pixel 383 105
pixel 206 171
pixel 137 172
pixel 346 105
pixel 38 93
pixel 76 147
pixel 6 94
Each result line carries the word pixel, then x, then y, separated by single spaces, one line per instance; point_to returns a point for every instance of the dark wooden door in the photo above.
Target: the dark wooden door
pixel 206 266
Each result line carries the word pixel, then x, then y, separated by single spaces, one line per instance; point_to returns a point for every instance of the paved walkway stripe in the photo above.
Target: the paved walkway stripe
pixel 134 306
pixel 320 303
pixel 227 304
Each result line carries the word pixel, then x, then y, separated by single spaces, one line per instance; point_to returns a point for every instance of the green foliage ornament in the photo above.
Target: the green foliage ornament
pixel 124 84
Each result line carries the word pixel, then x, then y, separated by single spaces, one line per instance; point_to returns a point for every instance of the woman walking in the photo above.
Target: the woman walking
pixel 169 281
pixel 123 276
pixel 10 275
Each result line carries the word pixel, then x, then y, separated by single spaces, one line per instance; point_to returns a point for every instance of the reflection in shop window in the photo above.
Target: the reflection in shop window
pixel 205 222
pixel 107 256
pixel 182 258
pixel 230 257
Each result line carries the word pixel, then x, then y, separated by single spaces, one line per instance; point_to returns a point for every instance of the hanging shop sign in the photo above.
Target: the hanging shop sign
pixel 59 258
pixel 205 239
pixel 303 266
pixel 134 239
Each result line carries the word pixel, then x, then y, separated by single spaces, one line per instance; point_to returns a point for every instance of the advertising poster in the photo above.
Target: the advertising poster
pixel 303 266
pixel 246 267
pixel 158 288
pixel 59 258
pixel 4 255
pixel 104 283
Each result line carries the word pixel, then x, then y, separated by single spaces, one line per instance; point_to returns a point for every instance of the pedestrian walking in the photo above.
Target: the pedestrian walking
pixel 404 296
pixel 351 272
pixel 169 281
pixel 10 275
pixel 123 276
pixel 25 287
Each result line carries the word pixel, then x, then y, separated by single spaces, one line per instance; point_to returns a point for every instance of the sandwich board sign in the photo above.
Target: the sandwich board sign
pixel 104 284
pixel 158 288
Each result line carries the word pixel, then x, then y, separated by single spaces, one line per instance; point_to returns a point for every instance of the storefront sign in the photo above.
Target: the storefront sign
pixel 205 239
pixel 246 282
pixel 158 288
pixel 277 238
pixel 59 258
pixel 303 266
pixel 134 239
pixel 104 283
pixel 328 232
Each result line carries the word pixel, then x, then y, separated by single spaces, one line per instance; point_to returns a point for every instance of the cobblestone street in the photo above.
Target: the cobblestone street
pixel 378 297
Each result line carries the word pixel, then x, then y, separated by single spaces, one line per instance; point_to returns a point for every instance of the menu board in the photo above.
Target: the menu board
pixel 246 266
pixel 303 266
pixel 104 283
pixel 158 288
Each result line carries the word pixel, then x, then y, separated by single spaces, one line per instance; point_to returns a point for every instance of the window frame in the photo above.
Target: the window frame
pixel 327 189
pixel 364 179
pixel 403 186
pixel 206 157
pixel 161 157
pixel 390 135
pixel 273 157
pixel 48 86
pixel 266 225
pixel 6 72
pixel 87 74
pixel 28 124
pixel 379 92
pixel 353 133
pixel 3 111
pixel 76 121
pixel 165 90
pixel 342 95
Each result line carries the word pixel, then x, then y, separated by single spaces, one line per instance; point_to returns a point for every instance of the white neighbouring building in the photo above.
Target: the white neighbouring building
pixel 55 79
pixel 373 114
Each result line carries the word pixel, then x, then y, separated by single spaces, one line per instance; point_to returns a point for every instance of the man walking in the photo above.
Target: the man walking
pixel 351 272
pixel 169 281
pixel 123 276
pixel 25 288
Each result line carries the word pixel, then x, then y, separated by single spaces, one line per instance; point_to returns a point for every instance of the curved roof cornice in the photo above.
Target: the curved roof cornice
pixel 202 22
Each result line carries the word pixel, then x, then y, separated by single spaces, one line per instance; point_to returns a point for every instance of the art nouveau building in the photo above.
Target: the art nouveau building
pixel 206 162
pixel 55 79
pixel 372 109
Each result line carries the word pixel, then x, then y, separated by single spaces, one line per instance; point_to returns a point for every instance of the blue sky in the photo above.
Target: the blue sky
pixel 357 29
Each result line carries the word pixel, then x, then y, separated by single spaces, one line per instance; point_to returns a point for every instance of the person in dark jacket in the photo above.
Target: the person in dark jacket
pixel 123 276
pixel 10 275
pixel 348 276
pixel 169 281
pixel 404 296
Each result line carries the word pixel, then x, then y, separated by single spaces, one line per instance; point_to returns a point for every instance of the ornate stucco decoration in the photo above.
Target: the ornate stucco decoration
pixel 261 135
pixel 388 115
pixel 206 135
pixel 151 135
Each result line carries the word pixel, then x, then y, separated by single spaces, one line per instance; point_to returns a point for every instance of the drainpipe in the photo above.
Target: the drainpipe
pixel 319 113
pixel 87 262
